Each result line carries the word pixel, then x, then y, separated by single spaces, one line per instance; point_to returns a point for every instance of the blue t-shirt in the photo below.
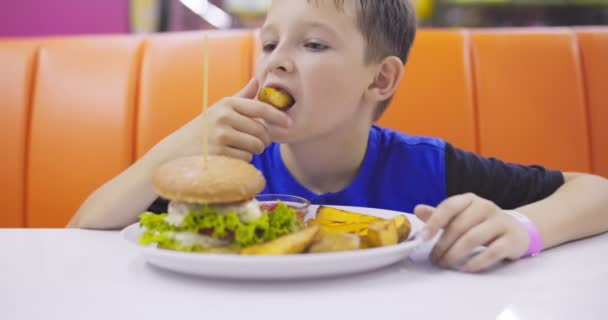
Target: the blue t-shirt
pixel 398 172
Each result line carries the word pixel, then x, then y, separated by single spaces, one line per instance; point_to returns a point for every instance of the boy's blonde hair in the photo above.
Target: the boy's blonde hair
pixel 389 27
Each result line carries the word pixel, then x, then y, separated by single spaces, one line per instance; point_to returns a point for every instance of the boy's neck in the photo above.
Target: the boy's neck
pixel 328 164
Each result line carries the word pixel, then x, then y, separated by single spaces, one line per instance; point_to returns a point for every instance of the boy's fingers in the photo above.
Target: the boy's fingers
pixel 423 212
pixel 275 131
pixel 478 236
pixel 445 212
pixel 487 258
pixel 472 216
pixel 250 90
pixel 252 127
pixel 237 154
pixel 243 141
pixel 257 109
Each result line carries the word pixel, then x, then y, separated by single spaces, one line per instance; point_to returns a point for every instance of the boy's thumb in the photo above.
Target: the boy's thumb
pixel 423 212
pixel 250 90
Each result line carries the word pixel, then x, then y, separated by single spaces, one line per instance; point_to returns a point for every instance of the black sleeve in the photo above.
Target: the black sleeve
pixel 508 185
pixel 159 206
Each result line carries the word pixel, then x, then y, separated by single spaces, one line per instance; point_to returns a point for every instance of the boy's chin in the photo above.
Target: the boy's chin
pixel 292 136
pixel 289 138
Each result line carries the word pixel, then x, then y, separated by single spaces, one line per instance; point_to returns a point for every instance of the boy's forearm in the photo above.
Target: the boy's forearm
pixel 119 202
pixel 576 210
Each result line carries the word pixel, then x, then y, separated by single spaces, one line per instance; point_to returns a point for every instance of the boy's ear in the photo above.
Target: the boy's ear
pixel 386 80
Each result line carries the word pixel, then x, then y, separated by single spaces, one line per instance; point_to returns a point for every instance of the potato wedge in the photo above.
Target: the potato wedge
pixel 382 233
pixel 326 222
pixel 403 226
pixel 336 215
pixel 292 243
pixel 356 228
pixel 364 242
pixel 336 242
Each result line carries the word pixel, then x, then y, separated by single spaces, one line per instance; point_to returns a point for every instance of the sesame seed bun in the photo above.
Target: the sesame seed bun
pixel 219 180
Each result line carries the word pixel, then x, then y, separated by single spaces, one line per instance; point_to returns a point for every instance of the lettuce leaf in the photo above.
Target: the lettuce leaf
pixel 165 240
pixel 283 220
pixel 271 225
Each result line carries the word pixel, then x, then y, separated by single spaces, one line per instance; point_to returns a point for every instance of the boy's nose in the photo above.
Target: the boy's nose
pixel 280 62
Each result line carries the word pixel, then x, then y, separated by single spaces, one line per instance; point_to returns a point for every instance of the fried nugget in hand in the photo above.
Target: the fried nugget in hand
pixel 276 98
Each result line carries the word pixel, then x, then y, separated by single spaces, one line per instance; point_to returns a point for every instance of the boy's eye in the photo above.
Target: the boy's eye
pixel 315 46
pixel 268 47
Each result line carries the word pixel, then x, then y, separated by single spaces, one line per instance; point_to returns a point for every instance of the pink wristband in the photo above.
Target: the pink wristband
pixel 536 244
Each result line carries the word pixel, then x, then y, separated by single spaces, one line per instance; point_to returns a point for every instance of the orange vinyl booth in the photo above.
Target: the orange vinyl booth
pixel 76 111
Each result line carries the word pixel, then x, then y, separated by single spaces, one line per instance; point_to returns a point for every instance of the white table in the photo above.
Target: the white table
pixel 80 274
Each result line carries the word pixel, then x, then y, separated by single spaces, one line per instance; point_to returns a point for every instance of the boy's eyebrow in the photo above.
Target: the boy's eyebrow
pixel 302 25
pixel 268 28
pixel 319 25
pixel 323 26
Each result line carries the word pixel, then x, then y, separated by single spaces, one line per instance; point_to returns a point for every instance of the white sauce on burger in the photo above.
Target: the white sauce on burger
pixel 247 211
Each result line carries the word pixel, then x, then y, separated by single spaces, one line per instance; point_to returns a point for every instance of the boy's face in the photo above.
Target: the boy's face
pixel 316 53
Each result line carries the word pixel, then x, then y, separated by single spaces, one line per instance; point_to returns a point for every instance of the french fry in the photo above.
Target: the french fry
pixel 382 233
pixel 292 243
pixel 337 215
pixel 336 242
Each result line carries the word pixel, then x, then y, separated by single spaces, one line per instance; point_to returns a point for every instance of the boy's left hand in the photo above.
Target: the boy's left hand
pixel 469 221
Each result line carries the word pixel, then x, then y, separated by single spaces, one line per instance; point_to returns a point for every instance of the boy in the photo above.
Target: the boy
pixel 342 62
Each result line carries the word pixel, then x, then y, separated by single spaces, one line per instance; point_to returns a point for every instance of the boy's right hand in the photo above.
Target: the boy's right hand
pixel 239 125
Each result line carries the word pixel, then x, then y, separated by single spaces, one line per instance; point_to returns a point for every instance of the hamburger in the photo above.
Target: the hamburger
pixel 212 207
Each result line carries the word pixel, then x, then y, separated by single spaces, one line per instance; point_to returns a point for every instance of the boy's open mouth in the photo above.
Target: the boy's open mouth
pixel 276 96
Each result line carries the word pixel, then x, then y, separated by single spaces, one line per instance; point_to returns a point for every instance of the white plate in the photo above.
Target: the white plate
pixel 280 267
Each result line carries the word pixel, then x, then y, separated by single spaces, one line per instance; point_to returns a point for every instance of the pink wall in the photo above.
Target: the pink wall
pixel 20 18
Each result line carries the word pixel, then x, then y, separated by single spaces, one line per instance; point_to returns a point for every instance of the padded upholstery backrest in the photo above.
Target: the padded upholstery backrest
pixel 81 124
pixel 593 43
pixel 435 97
pixel 172 79
pixel 76 111
pixel 17 65
pixel 530 97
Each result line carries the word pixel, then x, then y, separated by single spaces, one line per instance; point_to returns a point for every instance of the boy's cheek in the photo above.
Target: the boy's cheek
pixel 258 71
